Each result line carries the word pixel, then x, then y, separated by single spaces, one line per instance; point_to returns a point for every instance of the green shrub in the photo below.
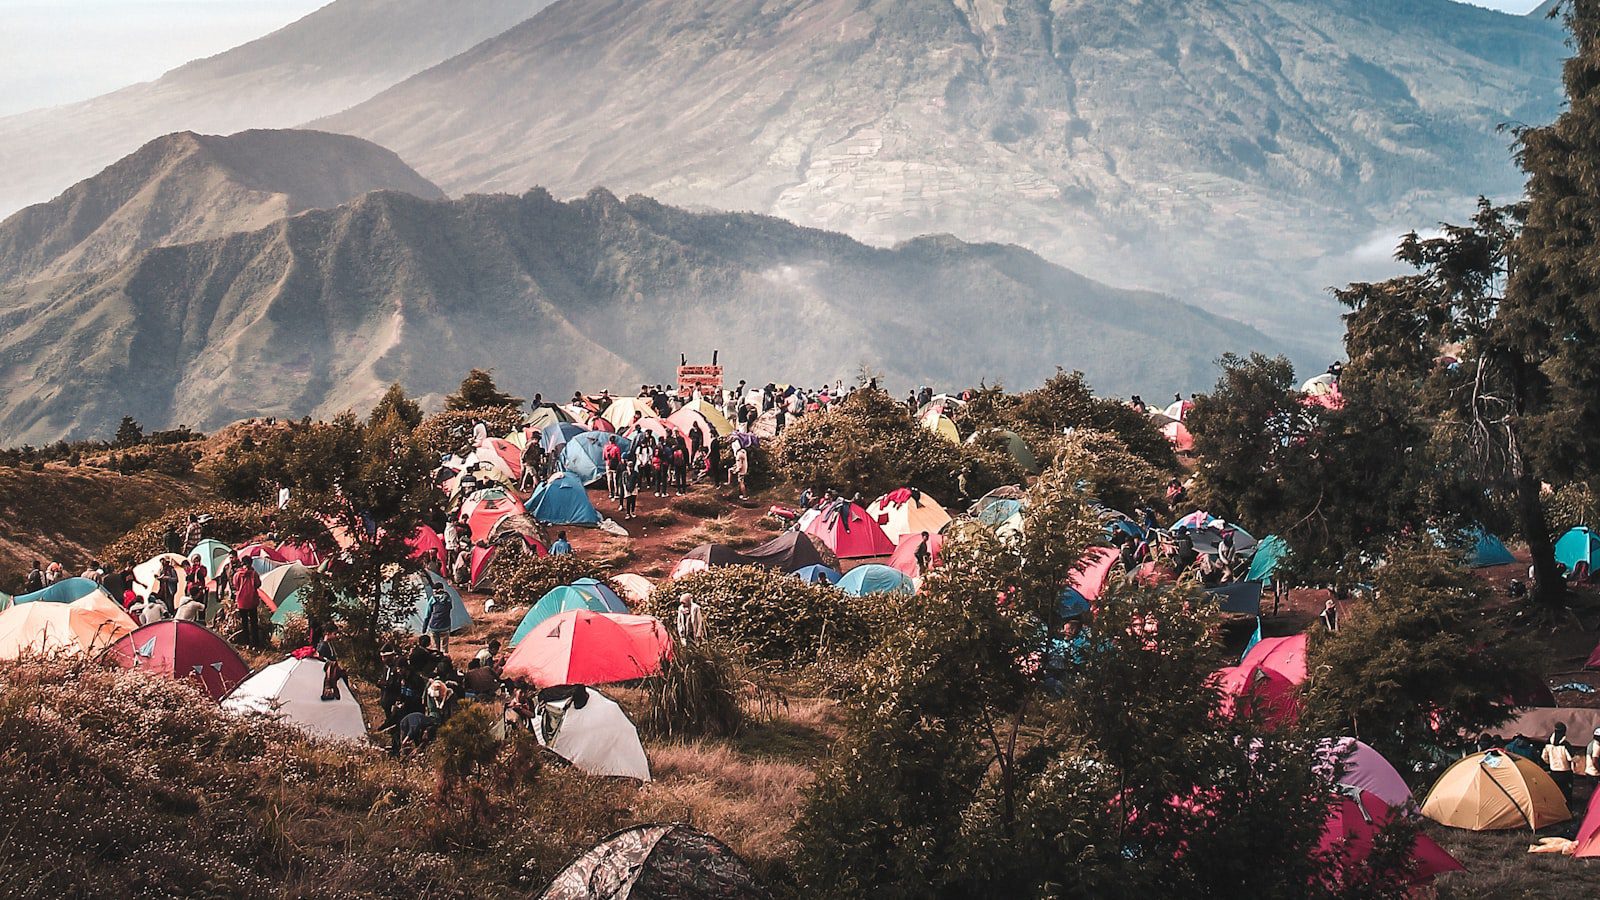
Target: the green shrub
pixel 769 615
pixel 531 577
pixel 867 443
pixel 451 431
pixel 696 694
pixel 231 523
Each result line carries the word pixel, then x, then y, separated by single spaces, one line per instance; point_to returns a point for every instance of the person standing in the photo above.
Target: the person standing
pixel 35 579
pixel 691 620
pixel 741 470
pixel 1557 756
pixel 1330 615
pixel 924 555
pixel 246 598
pixel 612 455
pixel 440 608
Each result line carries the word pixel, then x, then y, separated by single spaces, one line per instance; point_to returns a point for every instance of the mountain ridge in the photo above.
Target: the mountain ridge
pixel 319 312
pixel 185 187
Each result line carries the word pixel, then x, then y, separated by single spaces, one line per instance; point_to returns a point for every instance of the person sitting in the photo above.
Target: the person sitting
pixel 480 681
pixel 192 609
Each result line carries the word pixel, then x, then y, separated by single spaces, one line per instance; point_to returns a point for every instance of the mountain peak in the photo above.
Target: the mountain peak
pixel 185 187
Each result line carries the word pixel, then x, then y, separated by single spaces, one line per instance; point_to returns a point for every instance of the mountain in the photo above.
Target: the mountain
pixel 186 187
pixel 1242 153
pixel 1543 10
pixel 339 55
pixel 319 312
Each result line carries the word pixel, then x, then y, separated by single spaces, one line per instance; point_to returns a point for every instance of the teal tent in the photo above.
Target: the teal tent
pixel 875 579
pixel 1270 555
pixel 1578 546
pixel 423 588
pixel 562 500
pixel 1487 550
pixel 66 590
pixel 818 575
pixel 214 554
pixel 585 593
pixel 292 605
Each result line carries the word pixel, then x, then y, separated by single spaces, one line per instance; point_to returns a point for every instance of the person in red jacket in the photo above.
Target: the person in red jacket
pixel 246 597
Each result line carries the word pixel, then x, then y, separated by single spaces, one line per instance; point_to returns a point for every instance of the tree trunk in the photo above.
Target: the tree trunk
pixel 1549 588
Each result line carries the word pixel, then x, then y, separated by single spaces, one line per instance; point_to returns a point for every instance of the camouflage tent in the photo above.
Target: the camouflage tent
pixel 657 862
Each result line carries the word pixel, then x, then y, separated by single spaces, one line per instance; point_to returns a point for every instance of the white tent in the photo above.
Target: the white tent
pixel 291 692
pixel 597 738
pixel 144 575
pixel 284 580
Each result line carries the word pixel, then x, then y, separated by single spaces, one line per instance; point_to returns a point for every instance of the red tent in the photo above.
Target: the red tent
pixel 1587 845
pixel 424 540
pixel 1089 577
pixel 1257 689
pixel 481 557
pixel 585 647
pixel 599 424
pixel 863 539
pixel 1178 434
pixel 905 553
pixel 488 513
pixel 304 554
pixel 1594 659
pixel 1349 835
pixel 261 550
pixel 182 650
pixel 1284 655
pixel 509 454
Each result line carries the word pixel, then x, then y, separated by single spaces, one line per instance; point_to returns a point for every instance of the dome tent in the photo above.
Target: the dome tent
pixel 647 862
pixel 584 594
pixel 851 534
pixel 906 511
pixel 80 628
pixel 291 692
pixel 589 730
pixel 875 579
pixel 1495 791
pixel 1579 547
pixel 562 500
pixel 586 647
pixel 67 590
pixel 182 651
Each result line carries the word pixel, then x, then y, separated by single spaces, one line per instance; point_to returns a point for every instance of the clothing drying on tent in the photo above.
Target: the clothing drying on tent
pixel 67 590
pixel 585 594
pixel 83 627
pixel 634 589
pixel 182 651
pixel 817 575
pixel 1284 655
pixel 585 647
pixel 904 512
pixel 875 579
pixel 423 585
pixel 1197 519
pixel 1256 690
pixel 1353 827
pixel 904 557
pixel 589 730
pixel 1579 547
pixel 291 692
pixel 850 534
pixel 1365 769
pixel 562 500
pixel 1495 791
pixel 657 862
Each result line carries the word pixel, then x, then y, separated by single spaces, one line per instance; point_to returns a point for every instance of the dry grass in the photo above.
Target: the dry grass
pixel 1499 865
pixel 722 530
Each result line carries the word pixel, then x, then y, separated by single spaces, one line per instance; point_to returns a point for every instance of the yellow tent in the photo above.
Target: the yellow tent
pixel 144 575
pixel 713 415
pixel 634 588
pixel 82 627
pixel 1495 791
pixel 941 425
pixel 910 517
pixel 622 410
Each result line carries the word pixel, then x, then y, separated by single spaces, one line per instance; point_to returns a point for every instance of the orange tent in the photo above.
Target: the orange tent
pixel 80 628
pixel 1284 655
pixel 1495 791
pixel 899 513
pixel 585 647
pixel 488 513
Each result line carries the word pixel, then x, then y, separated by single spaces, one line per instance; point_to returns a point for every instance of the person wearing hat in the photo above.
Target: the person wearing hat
pixel 1557 755
pixel 1592 756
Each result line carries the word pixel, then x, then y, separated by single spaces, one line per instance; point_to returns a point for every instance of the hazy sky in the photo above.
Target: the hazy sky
pixel 58 51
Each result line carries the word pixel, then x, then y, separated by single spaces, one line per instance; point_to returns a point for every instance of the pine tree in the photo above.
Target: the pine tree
pixel 129 433
pixel 478 391
pixel 395 401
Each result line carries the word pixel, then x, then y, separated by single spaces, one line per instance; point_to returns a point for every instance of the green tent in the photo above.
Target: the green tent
pixel 1270 554
pixel 1578 546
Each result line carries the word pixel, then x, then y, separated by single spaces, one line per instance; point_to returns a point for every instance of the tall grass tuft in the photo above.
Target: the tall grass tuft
pixel 696 694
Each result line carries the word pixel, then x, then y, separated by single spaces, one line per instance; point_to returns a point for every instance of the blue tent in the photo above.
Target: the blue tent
pixel 583 455
pixel 1269 555
pixel 1071 604
pixel 996 513
pixel 1579 545
pixel 417 623
pixel 557 434
pixel 585 593
pixel 1241 597
pixel 1487 550
pixel 562 500
pixel 66 590
pixel 875 579
pixel 818 575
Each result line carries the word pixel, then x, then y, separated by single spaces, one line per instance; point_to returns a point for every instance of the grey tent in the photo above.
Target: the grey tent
pixel 657 862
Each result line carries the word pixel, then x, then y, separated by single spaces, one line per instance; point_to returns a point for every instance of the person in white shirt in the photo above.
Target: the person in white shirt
pixel 691 620
pixel 154 611
pixel 1558 759
pixel 191 610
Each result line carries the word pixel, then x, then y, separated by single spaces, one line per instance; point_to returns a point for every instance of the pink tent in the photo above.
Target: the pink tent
pixel 508 454
pixel 182 651
pixel 661 428
pixel 1284 655
pixel 1366 769
pixel 689 420
pixel 863 538
pixel 1587 844
pixel 1178 434
pixel 424 540
pixel 905 553
pixel 1093 571
pixel 585 647
pixel 304 554
pixel 261 550
pixel 1256 689
pixel 1353 825
pixel 599 424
